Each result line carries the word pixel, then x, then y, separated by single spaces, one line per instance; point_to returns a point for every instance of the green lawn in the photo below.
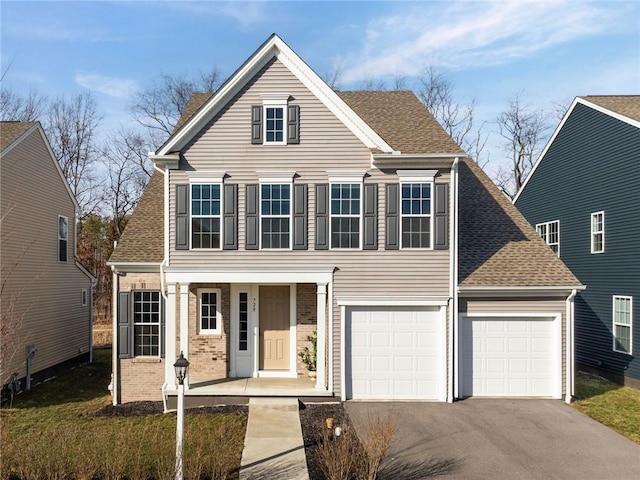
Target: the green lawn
pixel 52 433
pixel 611 404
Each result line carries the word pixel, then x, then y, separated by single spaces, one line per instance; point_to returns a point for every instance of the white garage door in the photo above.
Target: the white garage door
pixel 511 357
pixel 394 353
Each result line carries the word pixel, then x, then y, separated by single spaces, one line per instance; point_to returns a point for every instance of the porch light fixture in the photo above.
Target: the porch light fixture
pixel 182 368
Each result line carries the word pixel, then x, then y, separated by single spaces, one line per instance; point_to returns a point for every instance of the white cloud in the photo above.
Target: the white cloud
pixel 468 34
pixel 245 13
pixel 110 86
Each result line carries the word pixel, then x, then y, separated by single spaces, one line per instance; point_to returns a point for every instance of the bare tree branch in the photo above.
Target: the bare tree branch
pixel 28 108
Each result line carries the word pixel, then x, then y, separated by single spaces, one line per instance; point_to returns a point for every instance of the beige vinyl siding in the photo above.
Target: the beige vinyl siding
pixel 523 305
pixel 44 295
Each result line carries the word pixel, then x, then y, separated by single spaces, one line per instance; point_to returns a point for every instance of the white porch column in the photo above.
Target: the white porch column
pixel 321 330
pixel 184 325
pixel 170 337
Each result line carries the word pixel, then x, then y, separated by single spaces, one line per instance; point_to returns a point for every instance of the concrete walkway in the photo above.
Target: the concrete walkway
pixel 273 445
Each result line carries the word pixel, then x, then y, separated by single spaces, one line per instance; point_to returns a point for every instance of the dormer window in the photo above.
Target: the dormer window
pixel 275 122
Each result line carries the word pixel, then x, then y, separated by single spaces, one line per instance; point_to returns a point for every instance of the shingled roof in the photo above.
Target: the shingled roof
pixel 11 131
pixel 497 246
pixel 627 105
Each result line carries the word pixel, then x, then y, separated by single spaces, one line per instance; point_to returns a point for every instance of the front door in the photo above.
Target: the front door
pixel 274 321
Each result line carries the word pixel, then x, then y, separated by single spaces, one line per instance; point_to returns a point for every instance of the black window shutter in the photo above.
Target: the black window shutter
pixel 370 216
pixel 392 217
pixel 124 325
pixel 441 217
pixel 163 324
pixel 182 217
pixel 322 216
pixel 256 124
pixel 300 216
pixel 293 124
pixel 230 216
pixel 251 218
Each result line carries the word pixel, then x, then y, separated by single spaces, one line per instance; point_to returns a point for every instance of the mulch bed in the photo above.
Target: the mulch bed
pixel 141 409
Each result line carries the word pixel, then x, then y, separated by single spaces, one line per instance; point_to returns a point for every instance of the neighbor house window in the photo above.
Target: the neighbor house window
pixel 416 215
pixel 146 323
pixel 205 215
pixel 597 232
pixel 210 318
pixel 275 215
pixel 345 205
pixel 85 296
pixel 622 326
pixel 550 233
pixel 63 235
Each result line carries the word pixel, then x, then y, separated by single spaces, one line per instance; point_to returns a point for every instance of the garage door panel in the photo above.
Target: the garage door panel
pixel 404 351
pixel 508 356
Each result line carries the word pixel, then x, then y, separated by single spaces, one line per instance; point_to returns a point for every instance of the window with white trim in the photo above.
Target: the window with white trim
pixel 206 201
pixel 63 236
pixel 146 323
pixel 597 232
pixel 550 233
pixel 209 316
pixel 622 324
pixel 275 215
pixel 346 214
pixel 85 297
pixel 416 214
pixel 274 124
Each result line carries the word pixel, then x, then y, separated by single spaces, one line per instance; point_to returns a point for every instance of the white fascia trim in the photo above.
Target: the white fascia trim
pixel 206 177
pixel 167 161
pixel 416 176
pixel 346 177
pixel 239 275
pixel 275 176
pixel 275 99
pixel 275 46
pixel 134 267
pixel 392 301
pixel 514 291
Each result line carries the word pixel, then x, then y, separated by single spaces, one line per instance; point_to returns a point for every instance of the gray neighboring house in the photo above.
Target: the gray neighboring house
pixel 583 196
pixel 46 294
pixel 283 207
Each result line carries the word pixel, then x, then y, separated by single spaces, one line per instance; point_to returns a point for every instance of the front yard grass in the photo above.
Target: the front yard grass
pixel 611 404
pixel 53 432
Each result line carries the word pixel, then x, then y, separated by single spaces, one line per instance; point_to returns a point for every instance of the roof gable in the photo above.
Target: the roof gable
pixel 273 47
pixel 625 108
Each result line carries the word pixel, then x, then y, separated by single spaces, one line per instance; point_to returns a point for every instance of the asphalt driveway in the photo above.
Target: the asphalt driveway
pixel 498 439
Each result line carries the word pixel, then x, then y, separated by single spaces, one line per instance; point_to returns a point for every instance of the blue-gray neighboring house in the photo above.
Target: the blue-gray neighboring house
pixel 583 198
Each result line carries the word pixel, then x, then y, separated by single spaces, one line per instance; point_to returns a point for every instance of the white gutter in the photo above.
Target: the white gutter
pixel 570 349
pixel 452 341
pixel 517 290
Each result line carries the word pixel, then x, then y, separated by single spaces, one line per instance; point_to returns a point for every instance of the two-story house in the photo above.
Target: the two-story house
pixel 583 198
pixel 282 208
pixel 46 293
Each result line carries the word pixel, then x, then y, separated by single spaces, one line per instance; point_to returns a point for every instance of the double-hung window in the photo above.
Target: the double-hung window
pixel 274 123
pixel 416 215
pixel 63 236
pixel 550 233
pixel 146 323
pixel 346 214
pixel 210 318
pixel 597 232
pixel 206 202
pixel 622 324
pixel 275 215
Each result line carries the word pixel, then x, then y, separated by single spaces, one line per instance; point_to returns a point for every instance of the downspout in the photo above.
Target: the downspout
pixel 570 355
pixel 94 282
pixel 165 260
pixel 452 341
pixel 115 287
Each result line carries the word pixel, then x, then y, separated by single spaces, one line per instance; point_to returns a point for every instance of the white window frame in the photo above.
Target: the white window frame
pixel 135 324
pixel 289 216
pixel 360 215
pixel 597 232
pixel 409 215
pixel 543 230
pixel 192 183
pixel 275 100
pixel 63 237
pixel 218 329
pixel 625 325
pixel 84 297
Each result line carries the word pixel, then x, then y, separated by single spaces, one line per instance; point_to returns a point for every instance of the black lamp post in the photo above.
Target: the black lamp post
pixel 182 368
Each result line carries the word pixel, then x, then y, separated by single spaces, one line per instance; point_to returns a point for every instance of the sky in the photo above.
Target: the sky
pixel 549 51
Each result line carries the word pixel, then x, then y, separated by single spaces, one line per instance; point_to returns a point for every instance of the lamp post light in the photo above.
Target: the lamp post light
pixel 182 367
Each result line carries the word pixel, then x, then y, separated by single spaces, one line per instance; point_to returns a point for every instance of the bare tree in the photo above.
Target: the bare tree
pixel 524 130
pixel 333 76
pixel 436 93
pixel 71 127
pixel 22 108
pixel 374 83
pixel 158 108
